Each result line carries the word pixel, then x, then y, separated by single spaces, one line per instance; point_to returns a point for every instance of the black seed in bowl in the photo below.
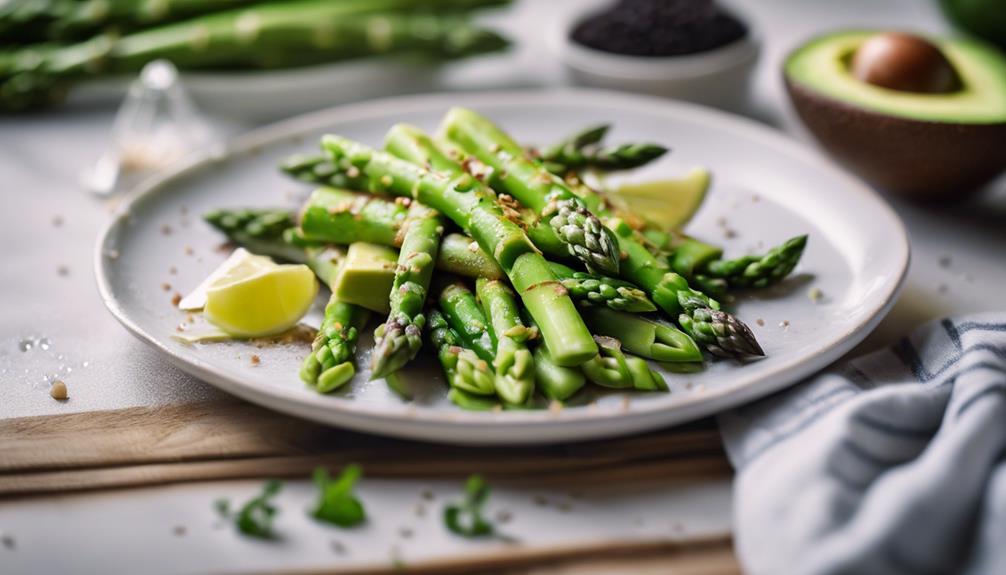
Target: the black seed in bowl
pixel 656 28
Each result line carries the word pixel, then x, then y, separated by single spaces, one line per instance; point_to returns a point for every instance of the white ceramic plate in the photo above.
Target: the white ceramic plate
pixel 766 188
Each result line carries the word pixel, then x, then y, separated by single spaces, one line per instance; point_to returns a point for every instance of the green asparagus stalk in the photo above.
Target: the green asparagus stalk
pixel 582 151
pixel 341 217
pixel 398 339
pixel 556 382
pixel 615 369
pixel 588 289
pixel 463 369
pixel 527 180
pixel 642 336
pixel 700 316
pixel 330 363
pixel 513 362
pixel 472 206
pixel 696 259
pixel 471 401
pixel 269 35
pixel 463 314
pixel 259 232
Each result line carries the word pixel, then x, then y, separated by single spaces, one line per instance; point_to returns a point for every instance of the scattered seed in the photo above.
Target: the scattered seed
pixel 8 540
pixel 815 294
pixel 179 530
pixel 784 324
pixel 176 299
pixel 945 261
pixel 760 322
pixel 58 390
pixel 165 230
pixel 189 251
pixel 63 271
pixel 173 270
pixel 405 532
pixel 419 510
pixel 338 547
pixel 256 360
pixel 166 286
pixel 57 221
pixel 729 233
pixel 504 516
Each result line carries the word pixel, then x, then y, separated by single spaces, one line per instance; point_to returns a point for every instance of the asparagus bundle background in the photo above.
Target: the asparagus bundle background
pixel 268 34
pixel 510 324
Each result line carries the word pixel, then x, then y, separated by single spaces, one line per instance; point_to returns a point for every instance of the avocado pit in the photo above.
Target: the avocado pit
pixel 904 62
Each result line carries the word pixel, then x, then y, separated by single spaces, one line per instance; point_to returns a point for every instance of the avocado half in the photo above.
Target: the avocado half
pixel 924 145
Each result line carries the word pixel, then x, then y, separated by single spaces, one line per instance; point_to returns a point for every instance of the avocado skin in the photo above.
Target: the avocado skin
pixel 924 160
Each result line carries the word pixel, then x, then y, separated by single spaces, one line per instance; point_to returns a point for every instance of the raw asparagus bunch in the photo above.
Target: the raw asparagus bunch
pixel 269 35
pixel 527 180
pixel 513 361
pixel 472 206
pixel 462 367
pixel 583 151
pixel 399 338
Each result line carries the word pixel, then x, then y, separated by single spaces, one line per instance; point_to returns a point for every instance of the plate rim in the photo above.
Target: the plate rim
pixel 374 418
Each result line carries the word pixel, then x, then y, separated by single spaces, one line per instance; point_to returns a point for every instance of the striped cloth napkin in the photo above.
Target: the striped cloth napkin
pixel 890 463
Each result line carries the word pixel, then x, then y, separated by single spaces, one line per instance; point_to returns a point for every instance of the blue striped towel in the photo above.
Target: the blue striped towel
pixel 890 463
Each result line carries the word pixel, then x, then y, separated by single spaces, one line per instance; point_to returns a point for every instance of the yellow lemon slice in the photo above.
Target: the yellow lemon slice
pixel 258 298
pixel 669 204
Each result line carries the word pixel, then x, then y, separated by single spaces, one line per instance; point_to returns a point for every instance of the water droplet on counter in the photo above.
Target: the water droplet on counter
pixel 26 344
pixel 44 343
pixel 85 364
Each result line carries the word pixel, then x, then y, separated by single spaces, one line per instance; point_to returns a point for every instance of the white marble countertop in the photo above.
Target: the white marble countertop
pixel 50 303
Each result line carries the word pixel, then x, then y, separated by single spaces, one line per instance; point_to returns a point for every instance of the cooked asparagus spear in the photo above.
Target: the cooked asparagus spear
pixel 516 174
pixel 398 339
pixel 472 207
pixel 464 370
pixel 583 151
pixel 555 381
pixel 641 336
pixel 613 368
pixel 589 289
pixel 269 35
pixel 513 362
pixel 463 314
pixel 258 231
pixel 330 363
pixel 341 217
pixel 700 316
pixel 696 259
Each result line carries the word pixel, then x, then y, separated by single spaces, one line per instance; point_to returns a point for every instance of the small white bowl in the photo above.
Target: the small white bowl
pixel 717 78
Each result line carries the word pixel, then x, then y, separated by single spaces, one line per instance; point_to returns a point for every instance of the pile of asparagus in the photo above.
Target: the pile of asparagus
pixel 47 46
pixel 501 261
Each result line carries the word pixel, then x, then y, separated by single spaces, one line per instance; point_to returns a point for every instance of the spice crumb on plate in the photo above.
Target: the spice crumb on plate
pixel 256 360
pixel 58 390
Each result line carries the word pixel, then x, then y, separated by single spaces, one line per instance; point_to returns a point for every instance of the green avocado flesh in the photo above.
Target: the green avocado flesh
pixel 822 65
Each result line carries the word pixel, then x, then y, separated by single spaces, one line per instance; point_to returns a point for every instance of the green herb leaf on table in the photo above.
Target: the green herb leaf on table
pixel 466 518
pixel 256 516
pixel 337 503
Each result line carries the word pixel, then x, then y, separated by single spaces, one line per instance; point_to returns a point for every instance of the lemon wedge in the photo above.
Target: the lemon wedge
pixel 255 296
pixel 669 204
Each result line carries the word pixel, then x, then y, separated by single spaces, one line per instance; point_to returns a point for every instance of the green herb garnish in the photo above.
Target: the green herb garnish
pixel 255 517
pixel 466 518
pixel 337 504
